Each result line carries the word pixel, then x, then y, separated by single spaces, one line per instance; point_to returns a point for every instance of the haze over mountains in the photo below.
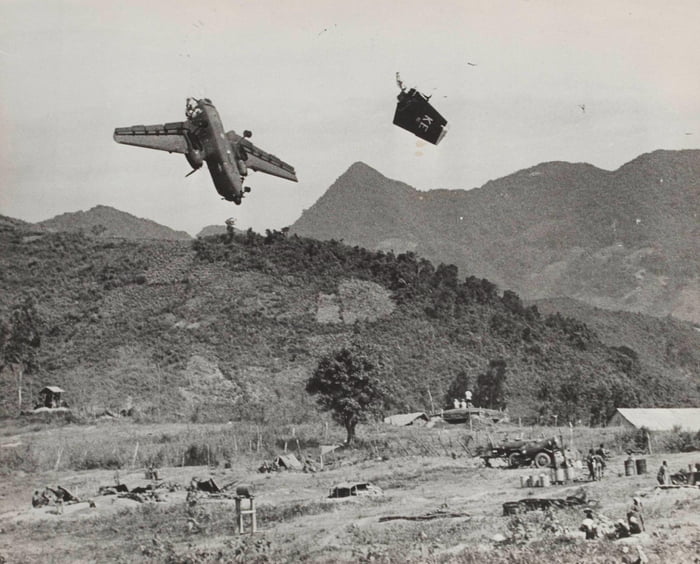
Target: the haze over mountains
pixel 105 221
pixel 623 240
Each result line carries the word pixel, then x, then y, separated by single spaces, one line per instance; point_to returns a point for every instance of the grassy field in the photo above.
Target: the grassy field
pixel 421 471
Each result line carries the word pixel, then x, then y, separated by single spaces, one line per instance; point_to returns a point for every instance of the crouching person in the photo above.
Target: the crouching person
pixel 635 520
pixel 589 525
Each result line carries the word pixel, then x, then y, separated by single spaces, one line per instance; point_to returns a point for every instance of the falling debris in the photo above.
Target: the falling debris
pixel 415 114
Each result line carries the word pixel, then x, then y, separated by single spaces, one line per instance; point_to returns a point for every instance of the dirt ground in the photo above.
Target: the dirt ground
pixel 297 522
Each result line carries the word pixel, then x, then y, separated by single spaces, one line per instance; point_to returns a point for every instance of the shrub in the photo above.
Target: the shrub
pixel 198 454
pixel 677 440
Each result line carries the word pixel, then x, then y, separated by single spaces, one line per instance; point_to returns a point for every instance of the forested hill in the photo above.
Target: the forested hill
pixel 223 328
pixel 623 240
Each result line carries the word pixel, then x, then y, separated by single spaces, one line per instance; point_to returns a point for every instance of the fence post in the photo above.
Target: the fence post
pixel 136 453
pixel 58 458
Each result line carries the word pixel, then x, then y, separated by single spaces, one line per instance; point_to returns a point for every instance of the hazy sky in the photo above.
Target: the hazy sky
pixel 314 81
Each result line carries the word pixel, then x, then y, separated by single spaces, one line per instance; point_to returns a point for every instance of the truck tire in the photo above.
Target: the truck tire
pixel 542 460
pixel 514 460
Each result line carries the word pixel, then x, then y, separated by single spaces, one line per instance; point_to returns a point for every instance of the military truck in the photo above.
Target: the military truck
pixel 523 453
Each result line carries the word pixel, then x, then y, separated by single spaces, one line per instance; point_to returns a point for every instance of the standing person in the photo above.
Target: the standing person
pixel 590 462
pixel 601 452
pixel 468 397
pixel 456 403
pixel 662 475
pixel 598 466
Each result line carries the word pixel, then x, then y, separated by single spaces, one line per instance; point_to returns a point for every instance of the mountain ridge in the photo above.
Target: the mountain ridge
pixel 106 221
pixel 621 239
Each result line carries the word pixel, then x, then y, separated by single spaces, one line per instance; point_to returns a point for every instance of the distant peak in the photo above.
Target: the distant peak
pixel 103 207
pixel 359 165
pixel 362 169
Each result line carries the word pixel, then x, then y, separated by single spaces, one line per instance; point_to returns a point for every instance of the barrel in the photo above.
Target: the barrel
pixel 629 467
pixel 641 464
pixel 559 475
pixel 245 490
pixel 569 474
pixel 544 480
pixel 523 481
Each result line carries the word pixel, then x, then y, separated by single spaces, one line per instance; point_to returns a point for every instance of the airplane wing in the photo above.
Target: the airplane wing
pixel 260 161
pixel 171 137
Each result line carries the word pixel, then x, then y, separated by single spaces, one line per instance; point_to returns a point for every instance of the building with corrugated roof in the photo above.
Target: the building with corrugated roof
pixel 657 418
pixel 403 419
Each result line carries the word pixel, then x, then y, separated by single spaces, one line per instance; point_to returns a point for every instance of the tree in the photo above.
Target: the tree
pixel 348 383
pixel 459 386
pixel 19 341
pixel 490 386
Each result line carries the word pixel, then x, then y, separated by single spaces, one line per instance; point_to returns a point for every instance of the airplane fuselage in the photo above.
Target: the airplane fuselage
pixel 201 139
pixel 220 154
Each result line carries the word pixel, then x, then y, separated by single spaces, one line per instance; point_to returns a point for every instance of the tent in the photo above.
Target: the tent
pixel 289 461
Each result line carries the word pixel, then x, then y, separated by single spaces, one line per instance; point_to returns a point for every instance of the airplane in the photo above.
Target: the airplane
pixel 415 114
pixel 201 139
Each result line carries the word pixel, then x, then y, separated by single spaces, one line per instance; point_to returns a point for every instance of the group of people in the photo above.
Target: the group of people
pixel 465 403
pixel 596 462
pixel 633 524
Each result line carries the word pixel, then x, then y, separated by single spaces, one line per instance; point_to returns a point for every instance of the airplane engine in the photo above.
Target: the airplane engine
pixel 195 158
